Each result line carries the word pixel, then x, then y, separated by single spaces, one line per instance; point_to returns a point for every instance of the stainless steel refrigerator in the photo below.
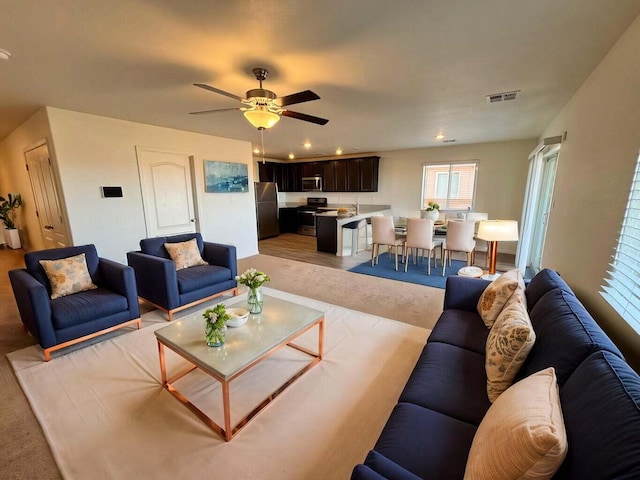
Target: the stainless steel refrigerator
pixel 267 209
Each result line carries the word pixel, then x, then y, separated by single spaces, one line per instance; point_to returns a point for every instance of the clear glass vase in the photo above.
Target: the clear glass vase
pixel 215 336
pixel 254 300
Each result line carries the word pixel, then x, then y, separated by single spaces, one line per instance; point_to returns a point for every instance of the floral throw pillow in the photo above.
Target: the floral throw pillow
pixel 185 254
pixel 508 344
pixel 496 295
pixel 68 275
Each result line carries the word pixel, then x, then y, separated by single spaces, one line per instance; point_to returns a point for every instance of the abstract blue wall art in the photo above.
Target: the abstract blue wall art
pixel 225 177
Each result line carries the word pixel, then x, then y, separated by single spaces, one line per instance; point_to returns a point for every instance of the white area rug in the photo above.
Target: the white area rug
pixel 106 415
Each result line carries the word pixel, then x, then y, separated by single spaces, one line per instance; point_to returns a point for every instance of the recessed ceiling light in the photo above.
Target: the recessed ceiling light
pixel 307 144
pixel 439 136
pixel 339 151
pixel 256 150
pixel 291 156
pixel 4 54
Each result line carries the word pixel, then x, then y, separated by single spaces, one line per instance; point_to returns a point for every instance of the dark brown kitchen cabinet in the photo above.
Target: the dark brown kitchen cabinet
pixel 267 172
pixel 341 175
pixel 368 175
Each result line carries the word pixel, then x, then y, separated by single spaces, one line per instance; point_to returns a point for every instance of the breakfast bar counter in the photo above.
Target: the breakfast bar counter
pixel 329 226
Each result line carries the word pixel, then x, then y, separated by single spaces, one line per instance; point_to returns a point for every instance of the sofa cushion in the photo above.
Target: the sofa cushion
pixel 543 282
pixel 194 278
pixel 565 335
pixel 32 261
pixel 450 380
pixel 601 408
pixel 510 341
pixel 427 443
pixel 523 434
pixel 185 254
pixel 86 306
pixel 380 467
pixel 496 295
pixel 461 328
pixel 68 275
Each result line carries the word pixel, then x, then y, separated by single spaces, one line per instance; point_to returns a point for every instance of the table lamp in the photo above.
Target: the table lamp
pixel 495 231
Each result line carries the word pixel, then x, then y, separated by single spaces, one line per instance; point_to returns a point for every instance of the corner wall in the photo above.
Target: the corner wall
pixel 595 170
pixel 92 151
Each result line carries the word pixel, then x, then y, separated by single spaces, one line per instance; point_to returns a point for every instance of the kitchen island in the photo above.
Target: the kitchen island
pixel 329 227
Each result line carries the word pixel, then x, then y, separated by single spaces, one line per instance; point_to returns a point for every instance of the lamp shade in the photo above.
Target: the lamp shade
pixel 260 117
pixel 498 230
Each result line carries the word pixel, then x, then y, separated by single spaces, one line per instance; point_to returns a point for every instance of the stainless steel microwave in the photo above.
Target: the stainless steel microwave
pixel 311 184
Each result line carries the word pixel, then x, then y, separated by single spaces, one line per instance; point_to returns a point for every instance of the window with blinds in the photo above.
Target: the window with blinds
pixel 622 286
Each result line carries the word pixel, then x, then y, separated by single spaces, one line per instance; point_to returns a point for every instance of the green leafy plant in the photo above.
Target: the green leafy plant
pixel 8 209
pixel 215 321
pixel 253 278
pixel 431 206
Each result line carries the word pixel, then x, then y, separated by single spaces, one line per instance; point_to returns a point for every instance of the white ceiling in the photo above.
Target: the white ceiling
pixel 391 75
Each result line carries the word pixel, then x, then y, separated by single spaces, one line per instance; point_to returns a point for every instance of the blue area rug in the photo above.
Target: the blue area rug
pixel 415 273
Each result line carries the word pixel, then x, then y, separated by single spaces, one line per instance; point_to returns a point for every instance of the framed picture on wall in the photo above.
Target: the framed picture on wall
pixel 225 177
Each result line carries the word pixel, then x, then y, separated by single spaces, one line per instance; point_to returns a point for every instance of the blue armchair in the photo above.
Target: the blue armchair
pixel 71 319
pixel 171 291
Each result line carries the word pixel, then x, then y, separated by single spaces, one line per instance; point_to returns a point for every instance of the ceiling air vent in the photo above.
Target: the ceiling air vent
pixel 502 97
pixel 452 140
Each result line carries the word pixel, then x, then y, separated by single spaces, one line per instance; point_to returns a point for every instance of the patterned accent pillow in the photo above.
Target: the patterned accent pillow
pixel 185 254
pixel 496 295
pixel 522 434
pixel 508 344
pixel 68 275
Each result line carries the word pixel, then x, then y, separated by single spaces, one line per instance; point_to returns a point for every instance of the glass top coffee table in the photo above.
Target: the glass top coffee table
pixel 281 322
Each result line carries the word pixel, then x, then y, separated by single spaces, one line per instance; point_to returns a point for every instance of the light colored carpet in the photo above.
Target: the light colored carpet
pixel 406 302
pixel 105 414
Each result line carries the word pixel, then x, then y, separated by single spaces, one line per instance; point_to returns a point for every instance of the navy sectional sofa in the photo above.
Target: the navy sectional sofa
pixel 430 430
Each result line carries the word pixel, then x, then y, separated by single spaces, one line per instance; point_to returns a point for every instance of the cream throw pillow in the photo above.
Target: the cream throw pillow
pixel 522 434
pixel 185 254
pixel 68 275
pixel 508 344
pixel 496 295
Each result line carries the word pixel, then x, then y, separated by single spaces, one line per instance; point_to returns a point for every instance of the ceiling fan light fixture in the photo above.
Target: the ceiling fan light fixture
pixel 261 117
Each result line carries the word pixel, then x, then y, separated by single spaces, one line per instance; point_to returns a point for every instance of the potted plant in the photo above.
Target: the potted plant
pixel 432 211
pixel 8 210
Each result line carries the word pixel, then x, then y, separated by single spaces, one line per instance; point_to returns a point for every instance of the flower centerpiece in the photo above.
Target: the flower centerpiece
pixel 215 325
pixel 253 279
pixel 432 211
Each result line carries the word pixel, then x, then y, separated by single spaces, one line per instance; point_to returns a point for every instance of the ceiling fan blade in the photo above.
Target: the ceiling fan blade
pixel 204 112
pixel 217 90
pixel 305 117
pixel 299 97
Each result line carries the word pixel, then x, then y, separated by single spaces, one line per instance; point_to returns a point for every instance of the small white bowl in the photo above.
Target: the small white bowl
pixel 238 318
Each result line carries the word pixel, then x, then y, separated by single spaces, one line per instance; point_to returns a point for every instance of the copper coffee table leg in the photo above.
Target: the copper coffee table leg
pixel 228 432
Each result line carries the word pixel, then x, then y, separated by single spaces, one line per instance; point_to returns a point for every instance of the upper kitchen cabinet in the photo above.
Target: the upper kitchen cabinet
pixel 312 169
pixel 342 175
pixel 267 171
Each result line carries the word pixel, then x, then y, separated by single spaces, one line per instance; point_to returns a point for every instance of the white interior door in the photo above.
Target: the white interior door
pixel 45 193
pixel 167 192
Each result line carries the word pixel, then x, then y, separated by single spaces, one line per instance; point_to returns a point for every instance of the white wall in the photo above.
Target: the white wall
pixel 15 179
pixel 92 151
pixel 595 170
pixel 502 175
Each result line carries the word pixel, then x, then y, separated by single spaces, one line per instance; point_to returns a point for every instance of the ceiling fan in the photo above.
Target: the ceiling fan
pixel 262 107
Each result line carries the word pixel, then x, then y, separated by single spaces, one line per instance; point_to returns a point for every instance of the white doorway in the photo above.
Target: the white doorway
pixel 48 205
pixel 538 205
pixel 167 192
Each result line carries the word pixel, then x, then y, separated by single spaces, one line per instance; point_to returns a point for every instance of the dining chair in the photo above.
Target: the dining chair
pixel 420 237
pixel 383 233
pixel 459 239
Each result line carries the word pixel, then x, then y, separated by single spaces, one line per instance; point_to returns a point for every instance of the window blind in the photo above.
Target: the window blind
pixel 622 285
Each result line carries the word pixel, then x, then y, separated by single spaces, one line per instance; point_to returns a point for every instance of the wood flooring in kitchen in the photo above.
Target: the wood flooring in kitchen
pixel 303 249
